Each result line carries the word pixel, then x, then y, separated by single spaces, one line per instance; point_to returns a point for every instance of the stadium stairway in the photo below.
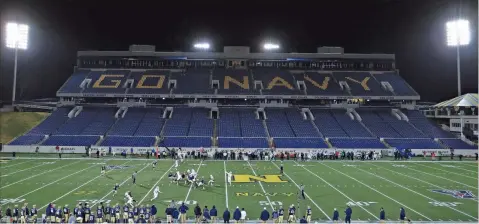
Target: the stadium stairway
pixel 385 143
pixel 360 120
pixel 214 139
pixel 441 143
pixel 100 141
pixel 328 143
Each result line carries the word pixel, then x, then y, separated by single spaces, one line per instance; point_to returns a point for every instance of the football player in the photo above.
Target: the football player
pixel 308 214
pixel 115 189
pixel 155 193
pixel 229 177
pixel 24 213
pixel 34 213
pixel 99 214
pixel 87 211
pixel 126 211
pixel 66 213
pixel 58 215
pixel 103 168
pixel 280 214
pixel 154 164
pixel 200 183
pixel 211 182
pixel 292 214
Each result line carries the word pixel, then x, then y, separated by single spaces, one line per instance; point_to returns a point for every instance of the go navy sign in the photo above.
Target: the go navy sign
pixel 456 193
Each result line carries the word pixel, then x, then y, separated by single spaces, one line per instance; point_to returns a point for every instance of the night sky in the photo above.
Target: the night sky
pixel 413 30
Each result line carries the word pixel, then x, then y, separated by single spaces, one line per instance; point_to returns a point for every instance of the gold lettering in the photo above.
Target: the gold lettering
pixel 364 83
pixel 278 81
pixel 159 84
pixel 244 178
pixel 257 194
pixel 115 82
pixel 323 85
pixel 242 194
pixel 288 194
pixel 243 85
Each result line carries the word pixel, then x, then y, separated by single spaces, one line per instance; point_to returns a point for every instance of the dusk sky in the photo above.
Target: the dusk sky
pixel 414 30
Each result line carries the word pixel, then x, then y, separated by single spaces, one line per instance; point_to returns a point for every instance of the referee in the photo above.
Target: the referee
pixel 133 176
pixel 301 188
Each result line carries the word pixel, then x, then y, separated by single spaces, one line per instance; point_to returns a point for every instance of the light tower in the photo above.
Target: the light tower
pixel 17 38
pixel 458 34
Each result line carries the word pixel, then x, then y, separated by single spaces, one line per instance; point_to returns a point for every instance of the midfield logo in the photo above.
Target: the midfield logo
pixel 456 193
pixel 245 178
pixel 112 167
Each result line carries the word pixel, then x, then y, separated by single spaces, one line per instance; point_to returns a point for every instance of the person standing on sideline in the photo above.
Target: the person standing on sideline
pixel 402 214
pixel 226 216
pixel 335 215
pixel 348 212
pixel 264 215
pixel 133 177
pixel 237 214
pixel 382 215
pixel 213 214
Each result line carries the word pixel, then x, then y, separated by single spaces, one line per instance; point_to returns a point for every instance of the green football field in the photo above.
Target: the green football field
pixel 428 191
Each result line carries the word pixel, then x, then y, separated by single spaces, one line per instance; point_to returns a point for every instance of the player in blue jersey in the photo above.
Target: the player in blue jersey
pixel 308 214
pixel 280 214
pixel 148 213
pixel 292 214
pixel 115 189
pixel 117 213
pixel 130 217
pixel 91 218
pixel 99 215
pixel 24 213
pixel 52 213
pixel 87 211
pixel 58 215
pixel 126 210
pixel 66 213
pixel 78 213
pixel 34 214
pixel 135 212
pixel 108 212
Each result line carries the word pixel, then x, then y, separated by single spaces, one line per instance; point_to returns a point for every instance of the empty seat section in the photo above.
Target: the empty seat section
pixel 404 128
pixel 250 126
pixel 52 122
pixel 102 122
pixel 457 144
pixel 353 128
pixel 276 81
pixel 131 141
pixel 150 82
pixel 320 84
pixel 225 142
pixel 300 126
pixel 27 140
pixel 327 124
pixel 179 123
pixel 278 125
pixel 299 143
pixel 229 123
pixel 196 80
pixel 151 123
pixel 424 143
pixel 110 81
pixel 399 85
pixel 76 125
pixel 201 124
pixel 72 85
pixel 357 143
pixel 422 123
pixel 187 142
pixel 361 83
pixel 377 125
pixel 71 140
pixel 127 125
pixel 234 81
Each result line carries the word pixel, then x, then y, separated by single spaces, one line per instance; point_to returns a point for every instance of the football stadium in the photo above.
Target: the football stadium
pixel 142 135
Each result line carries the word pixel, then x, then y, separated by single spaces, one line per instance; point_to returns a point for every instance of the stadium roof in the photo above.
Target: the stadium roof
pixel 466 100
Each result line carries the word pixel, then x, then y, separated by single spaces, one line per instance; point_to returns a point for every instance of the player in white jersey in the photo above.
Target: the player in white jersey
pixel 229 177
pixel 176 164
pixel 129 198
pixel 156 192
pixel 211 181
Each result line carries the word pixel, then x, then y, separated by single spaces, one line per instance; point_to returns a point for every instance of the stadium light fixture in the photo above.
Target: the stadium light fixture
pixel 458 34
pixel 17 38
pixel 270 46
pixel 202 46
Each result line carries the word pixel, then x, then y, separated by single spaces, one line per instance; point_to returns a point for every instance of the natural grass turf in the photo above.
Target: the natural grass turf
pixel 367 186
pixel 14 124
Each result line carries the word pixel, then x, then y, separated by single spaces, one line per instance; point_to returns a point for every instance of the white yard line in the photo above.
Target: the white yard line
pixel 191 185
pixel 18 171
pixel 415 192
pixel 456 173
pixel 315 204
pixel 30 177
pixel 468 164
pixel 261 185
pixel 467 170
pixel 43 186
pixel 98 201
pixel 457 182
pixel 226 185
pixel 14 164
pixel 350 199
pixel 392 199
pixel 68 193
pixel 154 185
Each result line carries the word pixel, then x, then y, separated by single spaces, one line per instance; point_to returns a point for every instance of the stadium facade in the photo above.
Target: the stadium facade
pixel 141 99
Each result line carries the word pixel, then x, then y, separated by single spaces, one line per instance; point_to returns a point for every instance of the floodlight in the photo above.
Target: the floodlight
pixel 203 46
pixel 270 46
pixel 17 36
pixel 458 32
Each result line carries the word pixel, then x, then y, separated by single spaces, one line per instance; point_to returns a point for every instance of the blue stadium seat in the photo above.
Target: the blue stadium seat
pixel 457 144
pixel 276 81
pixel 300 143
pixel 353 128
pixel 424 143
pixel 27 140
pixel 225 142
pixel 357 143
pixel 187 142
pixel 130 141
pixel 327 124
pixel 228 124
pixel 422 123
pixel 101 123
pixel 370 86
pixel 400 86
pixel 377 125
pixel 278 125
pixel 403 128
pixel 128 125
pixel 72 85
pixel 195 80
pixel 250 126
pixel 76 125
pixel 201 123
pixel 71 140
pixel 151 123
pixel 52 122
